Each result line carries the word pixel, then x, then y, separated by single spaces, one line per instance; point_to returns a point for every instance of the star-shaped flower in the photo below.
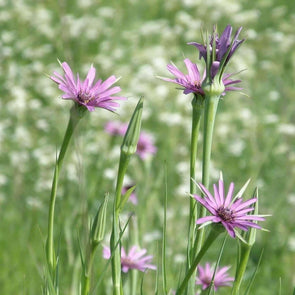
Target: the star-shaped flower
pixel 230 212
pixel 134 259
pixel 221 278
pixel 86 93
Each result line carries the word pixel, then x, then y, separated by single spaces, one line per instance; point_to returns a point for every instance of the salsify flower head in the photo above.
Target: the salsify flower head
pixel 231 212
pixel 115 128
pixel 146 145
pixel 134 259
pixel 146 142
pixel 225 46
pixel 192 81
pixel 86 93
pixel 221 278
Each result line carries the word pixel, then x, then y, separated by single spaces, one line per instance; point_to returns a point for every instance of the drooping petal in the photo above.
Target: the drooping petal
pixel 192 69
pixel 205 219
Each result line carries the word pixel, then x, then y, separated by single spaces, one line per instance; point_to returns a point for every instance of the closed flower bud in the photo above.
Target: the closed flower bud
pixel 129 145
pixel 99 223
pixel 214 88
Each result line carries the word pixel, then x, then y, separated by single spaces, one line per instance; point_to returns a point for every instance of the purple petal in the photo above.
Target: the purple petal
pixel 205 219
pixel 229 194
pixel 107 83
pixel 209 207
pixel 207 193
pixel 176 72
pixel 217 197
pixel 192 69
pixel 244 204
pixel 91 75
pixel 221 190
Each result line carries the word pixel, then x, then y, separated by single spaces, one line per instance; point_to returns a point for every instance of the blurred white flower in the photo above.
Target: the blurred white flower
pixel 288 129
pixel 236 147
pixel 152 236
pixel 34 202
pixel 274 95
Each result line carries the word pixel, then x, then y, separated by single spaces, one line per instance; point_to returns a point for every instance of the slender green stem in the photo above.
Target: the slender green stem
pixel 87 271
pixel 116 259
pixel 210 239
pixel 73 121
pixel 211 104
pixel 244 257
pixel 197 111
pixel 133 238
pixel 128 148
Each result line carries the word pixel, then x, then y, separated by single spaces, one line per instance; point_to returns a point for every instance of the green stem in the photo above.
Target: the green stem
pixel 211 104
pixel 116 259
pixel 244 257
pixel 73 121
pixel 133 238
pixel 210 239
pixel 197 111
pixel 87 271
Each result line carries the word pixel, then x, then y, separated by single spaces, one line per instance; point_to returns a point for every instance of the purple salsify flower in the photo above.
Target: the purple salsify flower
pixel 192 82
pixel 133 197
pixel 222 46
pixel 115 128
pixel 205 275
pixel 98 95
pixel 135 259
pixel 230 212
pixel 145 145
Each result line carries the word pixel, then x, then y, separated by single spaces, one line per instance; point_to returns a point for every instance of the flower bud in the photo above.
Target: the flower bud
pixel 99 223
pixel 129 145
pixel 214 88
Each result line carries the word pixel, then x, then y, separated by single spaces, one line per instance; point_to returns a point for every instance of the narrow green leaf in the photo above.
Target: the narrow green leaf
pixel 241 191
pixel 247 292
pixel 81 253
pixel 141 285
pixel 164 236
pixel 157 272
pixel 126 196
pixel 211 288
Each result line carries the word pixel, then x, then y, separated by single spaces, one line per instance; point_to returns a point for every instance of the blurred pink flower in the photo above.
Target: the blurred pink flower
pixel 84 92
pixel 135 259
pixel 115 128
pixel 145 145
pixel 205 275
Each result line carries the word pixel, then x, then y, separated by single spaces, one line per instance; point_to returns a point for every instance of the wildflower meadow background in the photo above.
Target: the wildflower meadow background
pixel 135 40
